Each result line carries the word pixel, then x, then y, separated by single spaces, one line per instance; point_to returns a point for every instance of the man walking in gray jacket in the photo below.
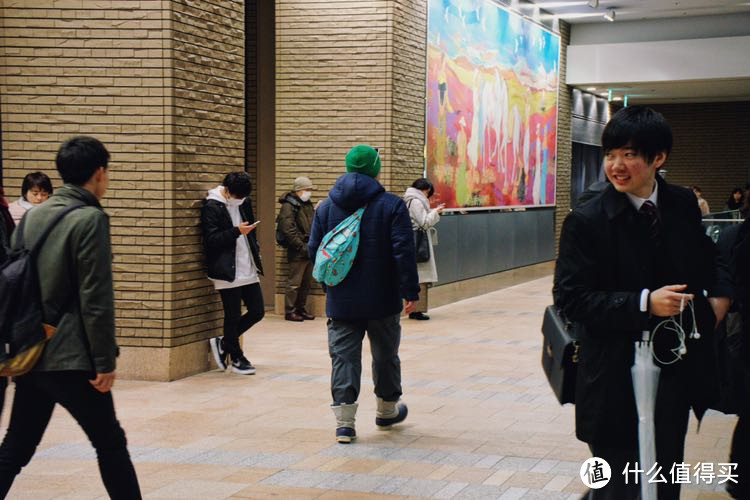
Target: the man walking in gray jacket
pixel 77 367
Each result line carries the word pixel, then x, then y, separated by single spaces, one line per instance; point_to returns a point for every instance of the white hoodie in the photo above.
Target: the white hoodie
pixel 245 269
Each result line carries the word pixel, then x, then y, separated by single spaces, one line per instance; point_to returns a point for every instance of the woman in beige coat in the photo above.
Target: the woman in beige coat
pixel 417 199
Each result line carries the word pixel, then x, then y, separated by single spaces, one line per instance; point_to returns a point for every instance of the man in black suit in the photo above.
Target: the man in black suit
pixel 632 256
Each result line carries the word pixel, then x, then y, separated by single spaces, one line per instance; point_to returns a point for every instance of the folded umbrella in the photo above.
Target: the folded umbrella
pixel 645 384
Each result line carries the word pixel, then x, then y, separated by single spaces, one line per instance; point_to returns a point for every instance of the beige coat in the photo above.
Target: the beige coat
pixel 425 217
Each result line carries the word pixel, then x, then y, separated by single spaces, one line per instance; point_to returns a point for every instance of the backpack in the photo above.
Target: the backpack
pixel 280 236
pixel 337 251
pixel 22 332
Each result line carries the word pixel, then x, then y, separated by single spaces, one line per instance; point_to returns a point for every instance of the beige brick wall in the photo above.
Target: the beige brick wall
pixel 97 71
pixel 564 137
pixel 161 83
pixel 209 139
pixel 711 147
pixel 332 91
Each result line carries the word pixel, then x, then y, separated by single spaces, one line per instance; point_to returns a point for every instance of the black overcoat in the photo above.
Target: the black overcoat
pixel 606 259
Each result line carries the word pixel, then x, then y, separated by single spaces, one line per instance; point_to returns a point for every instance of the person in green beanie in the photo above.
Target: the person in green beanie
pixel 370 298
pixel 363 159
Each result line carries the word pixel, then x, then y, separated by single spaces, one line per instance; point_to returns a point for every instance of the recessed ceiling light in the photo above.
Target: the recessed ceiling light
pixel 618 98
pixel 610 15
pixel 591 89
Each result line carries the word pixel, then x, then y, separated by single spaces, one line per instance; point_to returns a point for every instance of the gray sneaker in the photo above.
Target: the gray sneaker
pixel 217 349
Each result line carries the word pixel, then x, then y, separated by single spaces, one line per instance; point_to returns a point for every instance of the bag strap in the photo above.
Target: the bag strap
pixel 38 245
pixel 408 206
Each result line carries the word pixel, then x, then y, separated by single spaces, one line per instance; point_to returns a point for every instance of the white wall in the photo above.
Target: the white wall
pixel 659 61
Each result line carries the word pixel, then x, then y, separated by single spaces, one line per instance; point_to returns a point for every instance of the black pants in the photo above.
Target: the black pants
pixel 671 423
pixel 36 396
pixel 236 323
pixel 739 452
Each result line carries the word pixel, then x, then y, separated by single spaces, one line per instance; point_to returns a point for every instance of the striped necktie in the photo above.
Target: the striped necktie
pixel 651 215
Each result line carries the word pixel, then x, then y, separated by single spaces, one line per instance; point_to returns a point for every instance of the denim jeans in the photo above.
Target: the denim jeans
pixel 37 393
pixel 345 348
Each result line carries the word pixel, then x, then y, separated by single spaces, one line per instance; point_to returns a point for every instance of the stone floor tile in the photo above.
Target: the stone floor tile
pixel 490 427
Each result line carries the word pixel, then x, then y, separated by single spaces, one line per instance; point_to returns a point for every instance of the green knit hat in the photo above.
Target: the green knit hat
pixel 363 160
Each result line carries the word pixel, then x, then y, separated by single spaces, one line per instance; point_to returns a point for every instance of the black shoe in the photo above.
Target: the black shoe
pixel 305 315
pixel 217 349
pixel 242 366
pixel 420 316
pixel 293 316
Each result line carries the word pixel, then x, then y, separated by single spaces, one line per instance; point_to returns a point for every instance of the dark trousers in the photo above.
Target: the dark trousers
pixel 739 454
pixel 236 323
pixel 345 348
pixel 671 423
pixel 298 285
pixel 36 396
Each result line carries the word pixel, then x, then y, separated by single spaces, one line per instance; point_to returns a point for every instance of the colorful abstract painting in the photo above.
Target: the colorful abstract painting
pixel 492 79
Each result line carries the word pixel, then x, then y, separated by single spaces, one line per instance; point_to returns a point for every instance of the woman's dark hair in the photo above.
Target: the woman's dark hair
pixel 697 188
pixel 734 205
pixel 238 184
pixel 424 185
pixel 640 128
pixel 79 158
pixel 36 180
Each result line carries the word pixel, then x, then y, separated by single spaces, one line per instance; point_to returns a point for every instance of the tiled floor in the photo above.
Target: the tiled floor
pixel 482 422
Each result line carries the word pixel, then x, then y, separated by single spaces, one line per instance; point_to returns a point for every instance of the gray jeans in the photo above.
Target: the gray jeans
pixel 345 347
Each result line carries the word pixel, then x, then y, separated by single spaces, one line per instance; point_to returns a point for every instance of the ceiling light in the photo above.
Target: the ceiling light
pixel 610 15
pixel 591 89
pixel 594 4
pixel 554 5
pixel 618 98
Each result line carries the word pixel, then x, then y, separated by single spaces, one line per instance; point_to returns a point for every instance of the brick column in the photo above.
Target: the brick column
pixel 347 74
pixel 162 85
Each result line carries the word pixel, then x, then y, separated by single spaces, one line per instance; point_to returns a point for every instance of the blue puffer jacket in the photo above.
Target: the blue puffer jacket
pixel 385 269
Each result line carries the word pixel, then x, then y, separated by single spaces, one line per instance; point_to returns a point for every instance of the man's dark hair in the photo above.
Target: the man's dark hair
pixel 238 184
pixel 36 180
pixel 424 185
pixel 79 158
pixel 640 128
pixel 696 188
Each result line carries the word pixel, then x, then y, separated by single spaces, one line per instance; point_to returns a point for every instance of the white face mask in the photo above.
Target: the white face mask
pixel 236 202
pixel 305 195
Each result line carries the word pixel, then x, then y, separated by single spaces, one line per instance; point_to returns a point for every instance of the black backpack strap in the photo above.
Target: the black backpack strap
pixel 38 245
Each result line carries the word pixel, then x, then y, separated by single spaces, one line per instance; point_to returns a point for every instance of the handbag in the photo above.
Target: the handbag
pixel 422 245
pixel 560 354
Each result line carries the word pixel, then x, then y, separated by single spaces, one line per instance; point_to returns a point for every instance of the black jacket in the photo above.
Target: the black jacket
pixel 220 239
pixel 606 259
pixel 385 268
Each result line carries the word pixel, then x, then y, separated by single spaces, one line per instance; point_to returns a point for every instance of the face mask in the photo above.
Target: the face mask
pixel 305 196
pixel 236 202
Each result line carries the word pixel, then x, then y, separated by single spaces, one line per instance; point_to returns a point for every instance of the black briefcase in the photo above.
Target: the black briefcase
pixel 559 354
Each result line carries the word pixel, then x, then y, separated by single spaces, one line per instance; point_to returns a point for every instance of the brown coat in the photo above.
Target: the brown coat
pixel 295 221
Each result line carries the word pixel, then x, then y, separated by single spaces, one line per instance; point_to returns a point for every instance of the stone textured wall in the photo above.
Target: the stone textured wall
pixel 564 137
pixel 67 70
pixel 209 139
pixel 161 83
pixel 711 149
pixel 333 64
